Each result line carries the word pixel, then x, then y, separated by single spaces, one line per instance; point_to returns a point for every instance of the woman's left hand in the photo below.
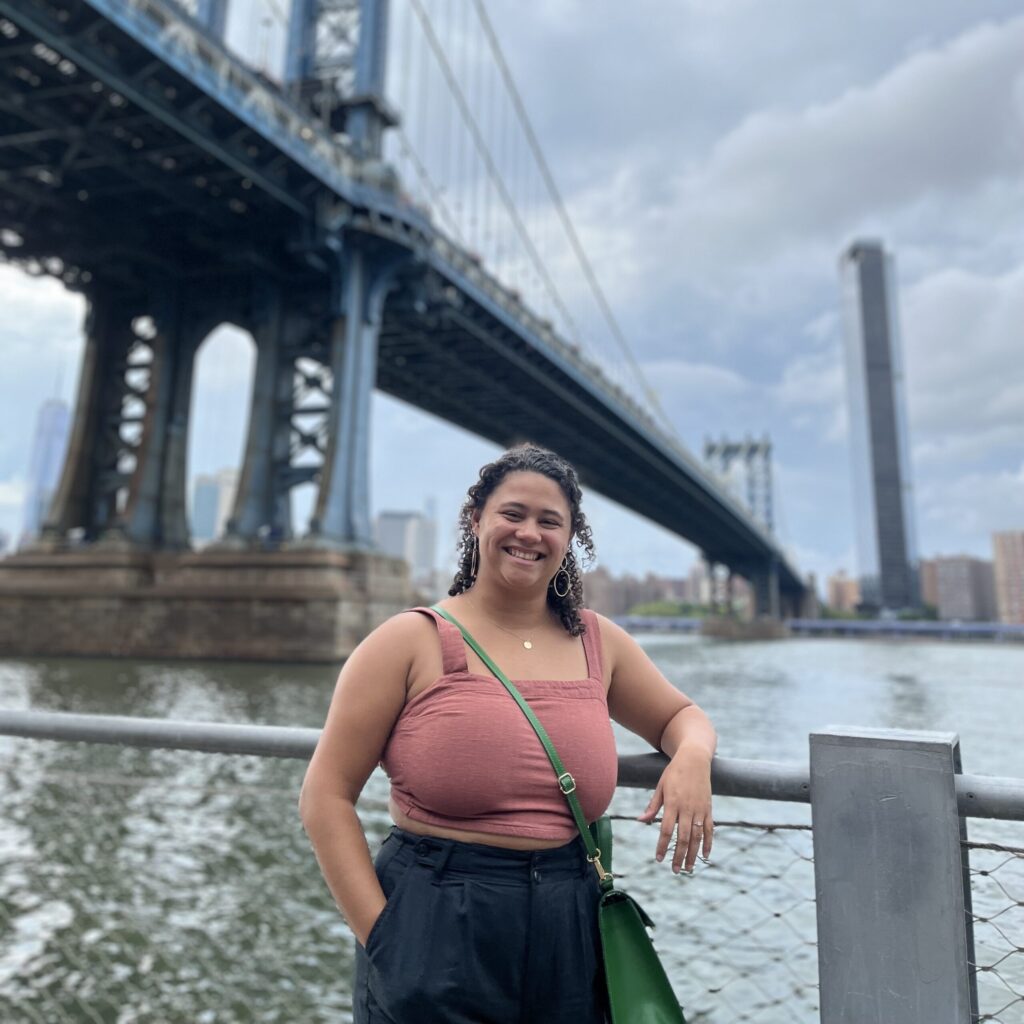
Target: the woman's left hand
pixel 684 790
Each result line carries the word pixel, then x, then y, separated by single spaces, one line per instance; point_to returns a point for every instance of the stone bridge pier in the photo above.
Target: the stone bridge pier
pixel 113 572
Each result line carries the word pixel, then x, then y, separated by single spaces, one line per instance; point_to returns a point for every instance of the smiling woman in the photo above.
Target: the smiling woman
pixel 481 905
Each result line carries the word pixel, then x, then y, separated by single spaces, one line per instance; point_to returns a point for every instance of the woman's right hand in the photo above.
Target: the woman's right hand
pixel 362 934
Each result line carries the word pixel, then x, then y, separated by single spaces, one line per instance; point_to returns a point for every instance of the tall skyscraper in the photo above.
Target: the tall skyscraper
pixel 883 495
pixel 212 498
pixel 413 537
pixel 45 457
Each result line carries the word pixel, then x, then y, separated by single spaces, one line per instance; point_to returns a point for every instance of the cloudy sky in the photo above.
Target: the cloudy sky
pixel 716 158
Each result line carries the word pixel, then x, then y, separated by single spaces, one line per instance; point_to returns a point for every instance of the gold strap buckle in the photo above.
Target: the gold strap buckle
pixel 596 861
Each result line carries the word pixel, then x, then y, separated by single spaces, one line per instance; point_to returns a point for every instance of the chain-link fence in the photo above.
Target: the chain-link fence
pixel 747 934
pixel 997 896
pixel 168 886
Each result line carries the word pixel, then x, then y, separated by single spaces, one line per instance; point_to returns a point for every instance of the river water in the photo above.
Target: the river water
pixel 158 886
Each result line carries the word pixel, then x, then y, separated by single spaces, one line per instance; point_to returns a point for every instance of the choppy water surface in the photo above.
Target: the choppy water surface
pixel 152 886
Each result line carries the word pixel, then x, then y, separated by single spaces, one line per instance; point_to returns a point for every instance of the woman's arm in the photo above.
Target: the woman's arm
pixel 368 699
pixel 645 702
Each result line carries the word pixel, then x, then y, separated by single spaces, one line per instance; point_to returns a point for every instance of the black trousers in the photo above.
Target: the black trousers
pixel 474 934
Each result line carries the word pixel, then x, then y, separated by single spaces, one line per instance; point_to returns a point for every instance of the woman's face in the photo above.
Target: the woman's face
pixel 524 529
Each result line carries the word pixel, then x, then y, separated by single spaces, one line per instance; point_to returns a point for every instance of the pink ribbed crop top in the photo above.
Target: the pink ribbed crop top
pixel 462 755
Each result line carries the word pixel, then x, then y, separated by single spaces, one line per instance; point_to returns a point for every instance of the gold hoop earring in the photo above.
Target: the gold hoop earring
pixel 563 570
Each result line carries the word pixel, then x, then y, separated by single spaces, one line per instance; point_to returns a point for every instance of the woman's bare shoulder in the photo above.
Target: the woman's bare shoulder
pixel 404 631
pixel 611 632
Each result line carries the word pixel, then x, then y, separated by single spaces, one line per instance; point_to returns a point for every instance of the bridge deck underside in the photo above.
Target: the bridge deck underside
pixel 125 167
pixel 505 390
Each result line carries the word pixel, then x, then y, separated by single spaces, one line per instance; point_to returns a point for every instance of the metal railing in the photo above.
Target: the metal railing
pixel 147 885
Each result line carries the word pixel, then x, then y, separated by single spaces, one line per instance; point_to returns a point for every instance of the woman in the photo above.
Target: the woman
pixel 481 906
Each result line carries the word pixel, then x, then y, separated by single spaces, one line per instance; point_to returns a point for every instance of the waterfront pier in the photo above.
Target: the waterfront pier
pixel 879 910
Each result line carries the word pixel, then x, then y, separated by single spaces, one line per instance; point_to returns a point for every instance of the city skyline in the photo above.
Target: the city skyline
pixel 712 197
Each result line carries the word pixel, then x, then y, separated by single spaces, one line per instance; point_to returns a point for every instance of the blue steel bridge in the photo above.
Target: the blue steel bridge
pixel 369 228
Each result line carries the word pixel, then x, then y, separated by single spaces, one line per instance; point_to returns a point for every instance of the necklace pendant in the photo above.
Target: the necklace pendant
pixel 528 645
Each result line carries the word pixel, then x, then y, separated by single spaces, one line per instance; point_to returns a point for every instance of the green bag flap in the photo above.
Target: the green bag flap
pixel 638 988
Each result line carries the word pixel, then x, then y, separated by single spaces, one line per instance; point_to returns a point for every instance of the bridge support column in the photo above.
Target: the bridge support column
pixel 262 502
pixel 766 591
pixel 711 567
pixel 342 514
pixel 123 482
pixel 76 503
pixel 155 515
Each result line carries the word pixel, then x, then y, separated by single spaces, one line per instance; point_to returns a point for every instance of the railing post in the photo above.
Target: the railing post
pixel 893 898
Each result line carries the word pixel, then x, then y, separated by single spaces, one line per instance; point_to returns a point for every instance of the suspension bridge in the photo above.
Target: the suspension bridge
pixel 377 213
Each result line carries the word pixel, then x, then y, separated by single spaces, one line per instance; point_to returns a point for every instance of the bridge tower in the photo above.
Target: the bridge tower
pixel 213 16
pixel 335 61
pixel 745 468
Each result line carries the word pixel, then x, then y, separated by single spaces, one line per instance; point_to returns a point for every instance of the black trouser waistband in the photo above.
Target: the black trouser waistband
pixel 452 857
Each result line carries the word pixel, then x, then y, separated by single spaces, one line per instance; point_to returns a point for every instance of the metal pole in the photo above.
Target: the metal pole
pixel 894 938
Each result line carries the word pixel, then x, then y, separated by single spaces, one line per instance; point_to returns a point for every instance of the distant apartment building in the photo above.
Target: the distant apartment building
pixel 699 583
pixel 886 544
pixel 842 592
pixel 1008 559
pixel 617 595
pixel 213 495
pixel 46 456
pixel 927 571
pixel 411 536
pixel 966 589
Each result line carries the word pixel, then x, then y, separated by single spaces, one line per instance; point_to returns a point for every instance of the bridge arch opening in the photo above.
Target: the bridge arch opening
pixel 222 382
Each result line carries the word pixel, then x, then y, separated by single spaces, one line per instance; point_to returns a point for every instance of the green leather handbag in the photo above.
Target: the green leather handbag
pixel 639 991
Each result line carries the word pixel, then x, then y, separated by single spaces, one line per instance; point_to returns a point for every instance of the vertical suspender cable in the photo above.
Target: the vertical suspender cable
pixel 563 214
pixel 488 159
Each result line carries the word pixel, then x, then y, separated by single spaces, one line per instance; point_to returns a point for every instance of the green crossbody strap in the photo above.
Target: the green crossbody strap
pixel 566 783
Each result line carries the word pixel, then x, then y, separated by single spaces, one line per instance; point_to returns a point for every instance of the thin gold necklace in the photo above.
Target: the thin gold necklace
pixel 528 644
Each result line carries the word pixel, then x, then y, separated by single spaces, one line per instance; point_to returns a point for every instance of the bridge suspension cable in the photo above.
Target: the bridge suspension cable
pixel 563 213
pixel 476 160
pixel 491 167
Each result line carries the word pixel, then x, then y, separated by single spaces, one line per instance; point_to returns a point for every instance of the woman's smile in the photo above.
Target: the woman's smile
pixel 522 555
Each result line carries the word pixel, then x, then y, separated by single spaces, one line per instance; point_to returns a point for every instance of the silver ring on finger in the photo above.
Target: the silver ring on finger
pixel 698 825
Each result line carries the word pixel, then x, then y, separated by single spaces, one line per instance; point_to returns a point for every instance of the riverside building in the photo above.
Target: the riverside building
pixel 883 495
pixel 1008 556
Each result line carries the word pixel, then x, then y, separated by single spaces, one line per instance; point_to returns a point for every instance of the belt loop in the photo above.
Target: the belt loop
pixel 442 861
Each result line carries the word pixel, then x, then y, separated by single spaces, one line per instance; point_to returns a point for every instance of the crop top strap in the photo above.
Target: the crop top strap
pixel 592 644
pixel 453 650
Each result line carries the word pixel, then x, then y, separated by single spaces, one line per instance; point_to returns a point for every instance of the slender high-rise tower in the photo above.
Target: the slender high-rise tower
pixel 883 495
pixel 46 454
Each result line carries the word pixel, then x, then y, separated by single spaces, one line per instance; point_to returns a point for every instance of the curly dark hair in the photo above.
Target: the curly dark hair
pixel 530 458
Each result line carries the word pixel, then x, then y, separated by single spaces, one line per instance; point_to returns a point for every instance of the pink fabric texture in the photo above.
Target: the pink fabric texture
pixel 462 755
